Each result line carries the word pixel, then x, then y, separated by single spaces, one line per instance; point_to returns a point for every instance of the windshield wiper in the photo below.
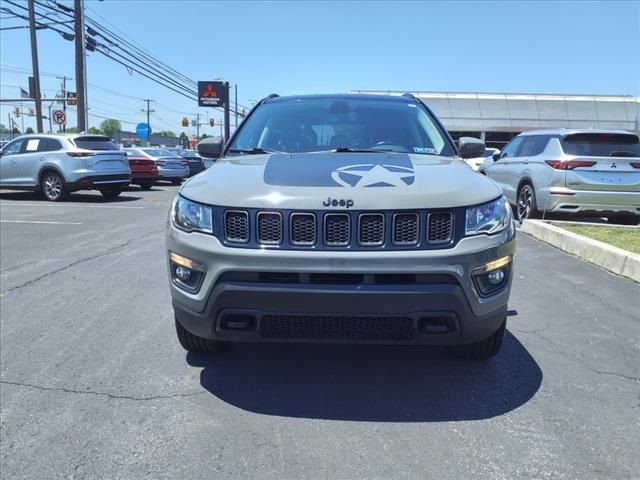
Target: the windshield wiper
pixel 621 153
pixel 252 151
pixel 359 150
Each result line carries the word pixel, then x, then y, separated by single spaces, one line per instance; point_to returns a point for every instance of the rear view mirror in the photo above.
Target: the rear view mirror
pixel 210 148
pixel 470 147
pixel 496 156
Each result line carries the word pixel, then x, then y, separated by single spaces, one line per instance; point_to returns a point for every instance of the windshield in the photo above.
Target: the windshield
pixel 95 143
pixel 308 125
pixel 159 152
pixel 602 145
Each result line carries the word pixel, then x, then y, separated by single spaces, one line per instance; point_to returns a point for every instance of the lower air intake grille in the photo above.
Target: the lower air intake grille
pixel 440 227
pixel 405 228
pixel 322 327
pixel 236 226
pixel 269 228
pixel 303 228
pixel 337 228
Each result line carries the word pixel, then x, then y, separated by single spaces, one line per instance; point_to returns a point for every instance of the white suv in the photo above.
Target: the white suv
pixel 586 172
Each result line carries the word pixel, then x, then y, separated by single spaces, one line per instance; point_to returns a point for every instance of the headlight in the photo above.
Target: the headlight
pixel 192 216
pixel 488 218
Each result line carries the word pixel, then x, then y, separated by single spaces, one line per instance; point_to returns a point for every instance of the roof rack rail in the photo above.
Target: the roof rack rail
pixel 410 95
pixel 269 97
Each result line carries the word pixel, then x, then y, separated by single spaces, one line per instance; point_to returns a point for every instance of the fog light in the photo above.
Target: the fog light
pixel 496 277
pixel 183 273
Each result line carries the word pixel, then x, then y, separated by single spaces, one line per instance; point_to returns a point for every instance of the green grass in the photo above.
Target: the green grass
pixel 626 238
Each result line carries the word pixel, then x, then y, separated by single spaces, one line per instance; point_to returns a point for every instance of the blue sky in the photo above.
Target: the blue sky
pixel 290 47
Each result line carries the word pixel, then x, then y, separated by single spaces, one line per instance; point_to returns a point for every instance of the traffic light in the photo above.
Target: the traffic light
pixel 31 112
pixel 72 98
pixel 212 122
pixel 242 113
pixel 17 111
pixel 185 122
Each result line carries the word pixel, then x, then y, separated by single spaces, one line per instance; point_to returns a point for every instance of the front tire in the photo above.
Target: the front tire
pixel 483 350
pixel 526 206
pixel 193 343
pixel 146 186
pixel 111 192
pixel 52 186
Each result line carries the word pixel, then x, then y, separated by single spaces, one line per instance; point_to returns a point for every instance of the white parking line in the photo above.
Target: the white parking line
pixel 40 222
pixel 19 204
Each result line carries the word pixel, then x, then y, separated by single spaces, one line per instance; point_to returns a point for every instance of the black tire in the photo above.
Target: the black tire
pixel 526 206
pixel 146 186
pixel 193 343
pixel 111 192
pixel 483 350
pixel 52 186
pixel 629 219
pixel 176 181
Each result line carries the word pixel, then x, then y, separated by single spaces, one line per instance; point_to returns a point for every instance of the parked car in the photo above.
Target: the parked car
pixel 170 166
pixel 196 165
pixel 341 218
pixel 581 171
pixel 478 162
pixel 144 171
pixel 59 164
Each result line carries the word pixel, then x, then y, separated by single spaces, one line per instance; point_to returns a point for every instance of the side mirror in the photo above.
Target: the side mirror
pixel 210 148
pixel 470 147
pixel 496 156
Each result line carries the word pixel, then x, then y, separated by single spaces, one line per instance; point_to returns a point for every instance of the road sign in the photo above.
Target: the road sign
pixel 143 130
pixel 59 117
pixel 211 94
pixel 72 98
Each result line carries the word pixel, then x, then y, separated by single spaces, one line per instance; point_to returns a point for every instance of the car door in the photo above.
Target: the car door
pixel 28 160
pixel 498 170
pixel 525 163
pixel 8 162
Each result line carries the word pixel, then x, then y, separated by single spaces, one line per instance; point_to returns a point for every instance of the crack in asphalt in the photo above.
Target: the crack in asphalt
pixel 566 354
pixel 102 394
pixel 82 260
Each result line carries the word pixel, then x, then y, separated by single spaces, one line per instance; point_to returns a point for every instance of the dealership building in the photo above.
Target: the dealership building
pixel 498 117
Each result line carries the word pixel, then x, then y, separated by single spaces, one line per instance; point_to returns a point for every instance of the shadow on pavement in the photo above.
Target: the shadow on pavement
pixel 369 382
pixel 75 197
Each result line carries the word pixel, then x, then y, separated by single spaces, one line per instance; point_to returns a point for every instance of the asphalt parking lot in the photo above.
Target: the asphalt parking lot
pixel 95 385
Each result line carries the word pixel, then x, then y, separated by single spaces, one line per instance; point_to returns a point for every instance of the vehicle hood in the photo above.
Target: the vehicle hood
pixel 368 180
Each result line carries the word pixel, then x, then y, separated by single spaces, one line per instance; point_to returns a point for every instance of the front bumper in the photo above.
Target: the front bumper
pixel 446 292
pixel 566 200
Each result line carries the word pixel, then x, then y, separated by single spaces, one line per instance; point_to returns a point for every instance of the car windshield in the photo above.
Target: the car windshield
pixel 159 152
pixel 95 143
pixel 602 145
pixel 321 124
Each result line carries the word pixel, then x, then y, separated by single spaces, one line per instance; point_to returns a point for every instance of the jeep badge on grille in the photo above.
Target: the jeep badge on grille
pixel 335 202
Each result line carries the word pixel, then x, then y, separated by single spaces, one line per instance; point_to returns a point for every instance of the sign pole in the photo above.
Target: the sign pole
pixel 227 129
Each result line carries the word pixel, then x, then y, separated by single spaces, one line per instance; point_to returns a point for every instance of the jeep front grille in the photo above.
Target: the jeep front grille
pixel 440 229
pixel 371 229
pixel 236 226
pixel 269 228
pixel 303 229
pixel 337 229
pixel 406 228
pixel 354 230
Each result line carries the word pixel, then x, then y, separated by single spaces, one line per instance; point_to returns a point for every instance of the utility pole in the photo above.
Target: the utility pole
pixel 236 103
pixel 227 130
pixel 64 102
pixel 149 112
pixel 34 61
pixel 81 104
pixel 198 126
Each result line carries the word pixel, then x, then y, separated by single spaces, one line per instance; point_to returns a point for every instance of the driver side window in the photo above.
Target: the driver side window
pixel 13 148
pixel 511 149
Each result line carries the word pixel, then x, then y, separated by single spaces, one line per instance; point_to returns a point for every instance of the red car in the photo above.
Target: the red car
pixel 144 171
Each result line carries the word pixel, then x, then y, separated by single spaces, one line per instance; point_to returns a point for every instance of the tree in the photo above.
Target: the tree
pixel 110 126
pixel 15 130
pixel 94 131
pixel 29 130
pixel 166 133
pixel 73 130
pixel 3 128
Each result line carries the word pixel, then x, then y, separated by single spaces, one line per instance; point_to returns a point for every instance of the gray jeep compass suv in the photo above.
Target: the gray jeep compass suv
pixel 341 218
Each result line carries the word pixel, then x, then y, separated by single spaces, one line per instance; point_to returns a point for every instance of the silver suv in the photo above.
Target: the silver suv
pixel 586 172
pixel 59 164
pixel 341 218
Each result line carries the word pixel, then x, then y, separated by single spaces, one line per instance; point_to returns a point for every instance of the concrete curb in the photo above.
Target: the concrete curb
pixel 614 259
